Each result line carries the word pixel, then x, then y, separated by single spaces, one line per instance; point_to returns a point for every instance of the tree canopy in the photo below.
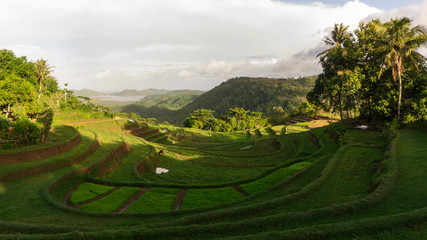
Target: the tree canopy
pixel 361 68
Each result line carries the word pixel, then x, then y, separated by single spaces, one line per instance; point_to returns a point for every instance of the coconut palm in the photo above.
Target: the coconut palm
pixel 43 70
pixel 399 43
pixel 338 35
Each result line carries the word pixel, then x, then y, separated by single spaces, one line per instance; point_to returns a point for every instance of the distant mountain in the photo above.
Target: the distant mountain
pixel 127 92
pixel 87 93
pixel 145 92
pixel 161 106
pixel 254 94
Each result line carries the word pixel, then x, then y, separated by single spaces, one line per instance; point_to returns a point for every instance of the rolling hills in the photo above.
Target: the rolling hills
pixel 254 94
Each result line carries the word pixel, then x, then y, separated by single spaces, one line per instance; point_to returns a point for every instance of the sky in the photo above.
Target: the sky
pixel 111 45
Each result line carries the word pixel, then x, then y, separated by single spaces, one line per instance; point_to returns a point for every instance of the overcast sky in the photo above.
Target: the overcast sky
pixel 110 45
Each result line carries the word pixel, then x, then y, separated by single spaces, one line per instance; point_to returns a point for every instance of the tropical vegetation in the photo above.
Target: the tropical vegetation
pixel 374 71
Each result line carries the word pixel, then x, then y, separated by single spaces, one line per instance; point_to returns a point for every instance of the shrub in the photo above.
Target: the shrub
pixel 389 130
pixel 27 132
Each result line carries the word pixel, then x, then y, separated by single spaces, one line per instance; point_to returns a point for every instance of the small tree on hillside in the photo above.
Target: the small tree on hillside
pixel 42 70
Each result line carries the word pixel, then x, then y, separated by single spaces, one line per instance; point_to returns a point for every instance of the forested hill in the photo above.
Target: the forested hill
pixel 254 94
pixel 173 100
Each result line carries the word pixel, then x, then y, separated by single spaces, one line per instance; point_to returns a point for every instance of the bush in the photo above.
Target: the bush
pixel 5 125
pixel 27 132
pixel 389 130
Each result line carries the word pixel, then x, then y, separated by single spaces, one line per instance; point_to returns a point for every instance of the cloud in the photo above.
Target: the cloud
pixel 110 44
pixel 416 12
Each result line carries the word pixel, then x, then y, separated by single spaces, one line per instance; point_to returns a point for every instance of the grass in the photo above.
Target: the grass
pixel 274 178
pixel 88 191
pixel 155 200
pixel 124 172
pixel 335 198
pixel 298 127
pixel 192 173
pixel 196 198
pixel 110 202
pixel 88 138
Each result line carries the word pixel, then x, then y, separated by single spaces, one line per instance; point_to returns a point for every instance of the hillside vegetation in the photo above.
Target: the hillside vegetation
pixel 325 183
pixel 157 106
pixel 253 94
pixel 97 175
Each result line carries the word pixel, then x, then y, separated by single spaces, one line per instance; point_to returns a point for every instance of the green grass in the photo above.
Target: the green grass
pixel 298 127
pixel 124 172
pixel 334 198
pixel 196 174
pixel 274 178
pixel 88 138
pixel 88 191
pixel 155 200
pixel 196 198
pixel 110 202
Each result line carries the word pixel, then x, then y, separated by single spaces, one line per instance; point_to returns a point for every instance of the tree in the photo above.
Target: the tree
pixel 332 87
pixel 400 42
pixel 338 36
pixel 42 70
pixel 15 90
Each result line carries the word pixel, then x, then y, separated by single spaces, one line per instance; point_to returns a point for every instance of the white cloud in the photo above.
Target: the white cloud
pixel 112 44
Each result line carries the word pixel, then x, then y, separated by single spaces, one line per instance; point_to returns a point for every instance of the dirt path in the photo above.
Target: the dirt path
pixel 66 199
pixel 241 191
pixel 179 199
pixel 131 200
pixel 87 121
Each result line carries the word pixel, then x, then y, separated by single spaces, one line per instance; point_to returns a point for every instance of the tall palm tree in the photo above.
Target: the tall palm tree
pixel 335 58
pixel 338 35
pixel 42 71
pixel 400 42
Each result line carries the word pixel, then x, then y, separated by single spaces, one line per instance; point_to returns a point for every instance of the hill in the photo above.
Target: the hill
pixel 127 92
pixel 162 106
pixel 172 100
pixel 145 92
pixel 87 93
pixel 255 94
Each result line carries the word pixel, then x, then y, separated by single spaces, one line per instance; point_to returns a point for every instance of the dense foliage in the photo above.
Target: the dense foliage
pixel 374 72
pixel 162 106
pixel 253 94
pixel 237 119
pixel 29 96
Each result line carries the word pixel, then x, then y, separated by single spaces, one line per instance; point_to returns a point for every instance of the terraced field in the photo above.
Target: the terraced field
pixel 129 180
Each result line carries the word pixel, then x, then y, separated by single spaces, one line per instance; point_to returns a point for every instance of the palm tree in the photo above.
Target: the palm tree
pixel 42 71
pixel 338 36
pixel 400 42
pixel 334 59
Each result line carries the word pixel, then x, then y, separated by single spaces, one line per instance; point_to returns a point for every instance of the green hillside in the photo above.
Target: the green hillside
pixel 172 100
pixel 254 94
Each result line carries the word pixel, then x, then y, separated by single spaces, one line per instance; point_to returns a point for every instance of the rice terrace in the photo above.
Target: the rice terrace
pixel 244 120
pixel 300 183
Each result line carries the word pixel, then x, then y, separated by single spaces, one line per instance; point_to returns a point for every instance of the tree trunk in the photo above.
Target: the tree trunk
pixel 8 111
pixel 40 89
pixel 341 114
pixel 399 102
